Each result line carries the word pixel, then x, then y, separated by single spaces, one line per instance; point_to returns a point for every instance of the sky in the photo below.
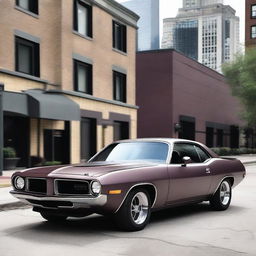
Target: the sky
pixel 169 8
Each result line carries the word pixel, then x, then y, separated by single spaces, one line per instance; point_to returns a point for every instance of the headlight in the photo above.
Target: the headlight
pixel 19 183
pixel 96 187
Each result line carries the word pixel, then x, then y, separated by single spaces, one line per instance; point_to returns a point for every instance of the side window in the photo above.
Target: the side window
pixel 182 149
pixel 202 154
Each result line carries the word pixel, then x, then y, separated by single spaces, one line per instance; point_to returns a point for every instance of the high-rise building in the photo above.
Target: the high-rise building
pixel 148 32
pixel 250 22
pixel 205 30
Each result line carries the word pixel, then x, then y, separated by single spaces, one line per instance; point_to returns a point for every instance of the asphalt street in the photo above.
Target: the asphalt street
pixel 191 230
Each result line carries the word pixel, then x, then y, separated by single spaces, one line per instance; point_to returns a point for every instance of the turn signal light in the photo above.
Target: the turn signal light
pixel 115 192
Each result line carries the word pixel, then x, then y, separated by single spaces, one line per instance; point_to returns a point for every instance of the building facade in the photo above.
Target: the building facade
pixel 69 73
pixel 181 98
pixel 205 30
pixel 250 23
pixel 148 32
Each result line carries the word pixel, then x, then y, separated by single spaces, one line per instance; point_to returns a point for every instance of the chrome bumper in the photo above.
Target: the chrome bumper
pixel 77 202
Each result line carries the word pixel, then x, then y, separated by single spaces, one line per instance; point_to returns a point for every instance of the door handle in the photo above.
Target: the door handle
pixel 208 170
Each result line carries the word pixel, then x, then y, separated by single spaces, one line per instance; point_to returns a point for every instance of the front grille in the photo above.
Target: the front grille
pixel 51 204
pixel 72 187
pixel 36 185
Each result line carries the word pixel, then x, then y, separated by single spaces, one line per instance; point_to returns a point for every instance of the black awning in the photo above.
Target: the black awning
pixel 15 103
pixel 47 105
pixel 41 104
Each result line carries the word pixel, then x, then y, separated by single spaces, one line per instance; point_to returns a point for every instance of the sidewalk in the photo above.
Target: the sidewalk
pixel 7 201
pixel 245 159
pixel 5 179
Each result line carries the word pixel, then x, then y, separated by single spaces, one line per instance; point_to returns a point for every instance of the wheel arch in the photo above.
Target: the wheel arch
pixel 151 189
pixel 231 179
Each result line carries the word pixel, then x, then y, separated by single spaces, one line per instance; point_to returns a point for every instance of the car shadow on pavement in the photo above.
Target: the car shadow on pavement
pixel 100 227
pixel 194 210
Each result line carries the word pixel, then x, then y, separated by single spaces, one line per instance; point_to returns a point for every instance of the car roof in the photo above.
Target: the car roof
pixel 168 140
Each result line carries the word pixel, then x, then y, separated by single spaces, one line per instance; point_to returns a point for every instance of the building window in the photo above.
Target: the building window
pixel 119 36
pixel 187 129
pixel 27 59
pixel 253 11
pixel 219 138
pixel 83 18
pixel 119 82
pixel 83 77
pixel 121 130
pixel 253 31
pixel 209 137
pixel 28 5
pixel 88 138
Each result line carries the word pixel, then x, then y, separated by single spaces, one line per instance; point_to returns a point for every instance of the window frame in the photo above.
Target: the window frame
pixel 33 6
pixel 253 26
pixel 35 56
pixel 204 151
pixel 253 16
pixel 194 145
pixel 89 18
pixel 122 34
pixel 90 78
pixel 123 89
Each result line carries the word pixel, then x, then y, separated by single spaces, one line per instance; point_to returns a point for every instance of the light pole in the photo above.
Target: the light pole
pixel 1 128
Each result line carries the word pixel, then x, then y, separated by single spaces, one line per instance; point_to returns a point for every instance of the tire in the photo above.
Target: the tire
pixel 135 212
pixel 53 217
pixel 222 197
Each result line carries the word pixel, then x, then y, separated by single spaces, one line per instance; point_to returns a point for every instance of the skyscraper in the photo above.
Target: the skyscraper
pixel 148 32
pixel 205 30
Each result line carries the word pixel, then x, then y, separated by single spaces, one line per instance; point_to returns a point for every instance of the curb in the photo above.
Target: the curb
pixel 249 162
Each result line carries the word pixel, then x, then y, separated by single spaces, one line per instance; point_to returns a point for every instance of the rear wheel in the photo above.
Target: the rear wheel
pixel 135 212
pixel 53 217
pixel 222 197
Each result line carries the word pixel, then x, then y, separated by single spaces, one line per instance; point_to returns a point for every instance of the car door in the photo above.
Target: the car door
pixel 190 181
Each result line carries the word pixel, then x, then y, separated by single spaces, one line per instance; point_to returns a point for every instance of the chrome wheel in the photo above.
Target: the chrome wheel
pixel 225 193
pixel 139 208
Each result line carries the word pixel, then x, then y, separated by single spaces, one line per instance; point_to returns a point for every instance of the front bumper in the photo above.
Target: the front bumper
pixel 61 202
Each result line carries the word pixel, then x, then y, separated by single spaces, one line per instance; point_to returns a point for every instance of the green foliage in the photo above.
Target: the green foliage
pixel 225 151
pixel 52 163
pixel 241 75
pixel 9 152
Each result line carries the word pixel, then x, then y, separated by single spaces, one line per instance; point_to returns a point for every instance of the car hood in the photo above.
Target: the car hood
pixel 98 169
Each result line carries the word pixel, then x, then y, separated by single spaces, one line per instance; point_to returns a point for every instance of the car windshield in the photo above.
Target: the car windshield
pixel 134 151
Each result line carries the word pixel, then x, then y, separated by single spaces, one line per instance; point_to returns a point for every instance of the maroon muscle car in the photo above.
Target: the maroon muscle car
pixel 129 179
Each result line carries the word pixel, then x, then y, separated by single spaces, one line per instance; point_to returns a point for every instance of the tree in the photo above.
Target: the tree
pixel 241 75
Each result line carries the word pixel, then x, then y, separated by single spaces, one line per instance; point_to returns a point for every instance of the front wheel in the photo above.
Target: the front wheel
pixel 53 217
pixel 135 212
pixel 222 197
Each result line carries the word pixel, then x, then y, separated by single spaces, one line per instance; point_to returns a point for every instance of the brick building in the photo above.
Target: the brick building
pixel 69 73
pixel 250 22
pixel 179 97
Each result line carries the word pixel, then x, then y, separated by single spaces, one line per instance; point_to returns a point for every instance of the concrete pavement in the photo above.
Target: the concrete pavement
pixel 193 230
pixel 7 201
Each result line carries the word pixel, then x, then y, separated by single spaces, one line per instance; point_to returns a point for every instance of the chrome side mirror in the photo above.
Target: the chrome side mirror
pixel 186 160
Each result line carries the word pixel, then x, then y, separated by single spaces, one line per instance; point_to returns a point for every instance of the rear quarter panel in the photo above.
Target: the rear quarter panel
pixel 221 168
